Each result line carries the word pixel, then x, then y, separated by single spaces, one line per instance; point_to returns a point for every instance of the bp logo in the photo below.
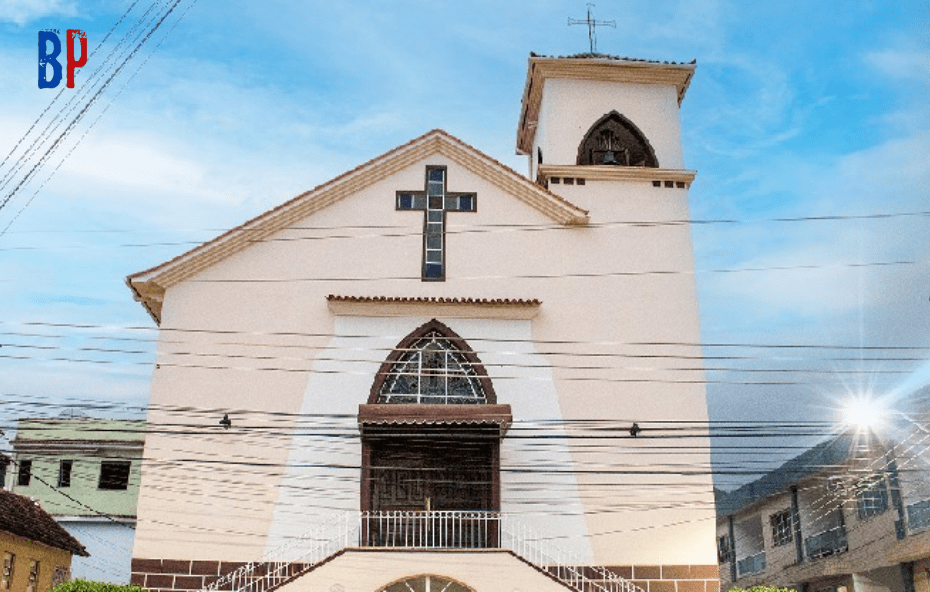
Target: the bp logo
pixel 50 50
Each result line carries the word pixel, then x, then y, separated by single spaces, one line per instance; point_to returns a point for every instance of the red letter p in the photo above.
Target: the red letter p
pixel 73 63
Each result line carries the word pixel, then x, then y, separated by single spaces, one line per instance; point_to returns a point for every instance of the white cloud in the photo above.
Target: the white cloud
pixel 901 64
pixel 888 178
pixel 812 280
pixel 135 161
pixel 24 11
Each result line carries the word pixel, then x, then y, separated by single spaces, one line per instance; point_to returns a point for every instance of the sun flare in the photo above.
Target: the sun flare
pixel 864 412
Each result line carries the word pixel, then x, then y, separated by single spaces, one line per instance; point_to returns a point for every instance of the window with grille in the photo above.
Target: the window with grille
pixel 871 497
pixel 432 370
pixel 114 474
pixel 782 533
pixel 723 549
pixel 33 583
pixel 6 577
pixel 24 476
pixel 61 575
pixel 64 473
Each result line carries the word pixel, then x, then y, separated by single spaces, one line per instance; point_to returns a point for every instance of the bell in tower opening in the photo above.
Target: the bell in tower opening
pixel 615 140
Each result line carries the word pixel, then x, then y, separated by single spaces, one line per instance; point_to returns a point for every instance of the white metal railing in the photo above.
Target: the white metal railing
pixel 334 533
pixel 918 515
pixel 430 530
pixel 420 530
pixel 555 559
pixel 828 542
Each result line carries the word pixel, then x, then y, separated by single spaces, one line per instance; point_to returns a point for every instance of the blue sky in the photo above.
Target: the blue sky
pixel 798 109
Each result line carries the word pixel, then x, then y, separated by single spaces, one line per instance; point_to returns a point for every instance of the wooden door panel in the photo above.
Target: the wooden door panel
pixel 457 475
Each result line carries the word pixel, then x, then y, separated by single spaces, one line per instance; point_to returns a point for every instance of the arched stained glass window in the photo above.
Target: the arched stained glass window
pixel 427 584
pixel 432 370
pixel 432 366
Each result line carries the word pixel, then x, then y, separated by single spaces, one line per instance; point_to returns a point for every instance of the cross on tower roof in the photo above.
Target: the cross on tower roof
pixel 592 24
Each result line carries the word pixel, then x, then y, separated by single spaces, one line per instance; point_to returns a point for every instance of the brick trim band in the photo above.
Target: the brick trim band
pixel 169 575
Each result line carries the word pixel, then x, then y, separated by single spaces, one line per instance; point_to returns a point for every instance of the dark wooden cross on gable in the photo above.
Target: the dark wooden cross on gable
pixel 435 201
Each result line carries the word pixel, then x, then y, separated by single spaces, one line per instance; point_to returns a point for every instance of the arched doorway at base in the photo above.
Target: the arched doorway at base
pixel 427 583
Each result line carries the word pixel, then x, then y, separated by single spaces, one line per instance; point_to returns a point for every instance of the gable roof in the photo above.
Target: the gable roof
pixel 149 286
pixel 24 518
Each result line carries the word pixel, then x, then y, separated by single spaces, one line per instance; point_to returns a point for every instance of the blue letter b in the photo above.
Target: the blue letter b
pixel 49 59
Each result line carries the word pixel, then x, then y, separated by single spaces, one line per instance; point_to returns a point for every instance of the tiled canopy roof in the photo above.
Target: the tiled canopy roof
pixel 388 415
pixel 435 300
pixel 24 518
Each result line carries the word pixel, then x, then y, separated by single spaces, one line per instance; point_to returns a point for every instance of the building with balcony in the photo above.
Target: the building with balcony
pixel 848 515
pixel 85 473
pixel 430 370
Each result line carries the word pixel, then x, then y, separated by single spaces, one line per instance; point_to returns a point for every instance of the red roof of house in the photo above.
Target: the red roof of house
pixel 24 518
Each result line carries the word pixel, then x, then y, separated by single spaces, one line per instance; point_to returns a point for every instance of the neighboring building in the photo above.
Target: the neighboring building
pixel 85 473
pixel 850 515
pixel 35 551
pixel 435 369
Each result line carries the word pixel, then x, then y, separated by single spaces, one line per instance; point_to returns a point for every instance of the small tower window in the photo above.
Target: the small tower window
pixel 615 141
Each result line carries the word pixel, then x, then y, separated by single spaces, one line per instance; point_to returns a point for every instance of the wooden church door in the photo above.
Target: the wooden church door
pixel 421 474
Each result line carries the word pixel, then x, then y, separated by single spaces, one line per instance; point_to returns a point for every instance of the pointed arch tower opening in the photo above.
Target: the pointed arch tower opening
pixel 431 433
pixel 616 141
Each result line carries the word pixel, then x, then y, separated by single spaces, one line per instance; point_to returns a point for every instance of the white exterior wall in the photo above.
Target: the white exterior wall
pixel 579 358
pixel 110 548
pixel 217 510
pixel 486 572
pixel 570 107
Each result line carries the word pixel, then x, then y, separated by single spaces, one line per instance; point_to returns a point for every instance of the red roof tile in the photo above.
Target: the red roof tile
pixel 436 300
pixel 24 518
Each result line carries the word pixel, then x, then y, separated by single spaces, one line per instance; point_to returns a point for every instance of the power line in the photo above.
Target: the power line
pixel 82 110
pixel 156 331
pixel 398 231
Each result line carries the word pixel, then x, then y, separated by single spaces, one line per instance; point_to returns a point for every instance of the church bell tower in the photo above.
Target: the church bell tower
pixel 598 118
pixel 604 134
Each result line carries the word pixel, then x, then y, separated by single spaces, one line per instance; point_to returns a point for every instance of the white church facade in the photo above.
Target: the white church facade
pixel 434 373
